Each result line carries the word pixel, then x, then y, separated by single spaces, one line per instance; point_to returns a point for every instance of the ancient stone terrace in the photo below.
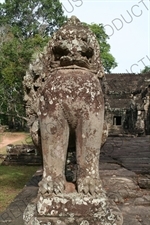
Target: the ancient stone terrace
pixel 125 172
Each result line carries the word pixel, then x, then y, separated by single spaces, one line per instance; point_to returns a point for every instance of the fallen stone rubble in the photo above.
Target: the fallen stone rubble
pixel 21 155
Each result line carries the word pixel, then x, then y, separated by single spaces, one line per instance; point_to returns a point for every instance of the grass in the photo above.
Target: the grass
pixel 12 180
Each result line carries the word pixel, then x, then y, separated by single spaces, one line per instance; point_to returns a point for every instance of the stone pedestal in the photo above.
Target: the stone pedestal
pixel 72 208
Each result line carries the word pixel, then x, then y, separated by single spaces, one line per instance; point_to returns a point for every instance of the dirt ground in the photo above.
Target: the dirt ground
pixel 7 138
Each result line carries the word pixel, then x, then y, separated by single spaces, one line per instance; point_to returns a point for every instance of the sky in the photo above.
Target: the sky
pixel 126 22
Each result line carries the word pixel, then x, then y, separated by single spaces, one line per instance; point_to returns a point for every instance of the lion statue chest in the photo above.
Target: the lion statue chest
pixel 72 92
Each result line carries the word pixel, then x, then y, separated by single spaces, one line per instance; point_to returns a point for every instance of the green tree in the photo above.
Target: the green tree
pixel 107 58
pixel 31 17
pixel 14 60
pixel 146 69
pixel 27 26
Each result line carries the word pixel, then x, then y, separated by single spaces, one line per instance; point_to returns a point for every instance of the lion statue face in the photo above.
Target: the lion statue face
pixel 73 47
pixel 75 44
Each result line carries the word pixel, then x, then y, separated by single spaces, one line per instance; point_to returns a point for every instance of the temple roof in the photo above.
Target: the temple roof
pixel 120 86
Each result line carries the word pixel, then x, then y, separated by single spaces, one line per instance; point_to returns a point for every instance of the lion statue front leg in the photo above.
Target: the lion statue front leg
pixel 54 136
pixel 88 133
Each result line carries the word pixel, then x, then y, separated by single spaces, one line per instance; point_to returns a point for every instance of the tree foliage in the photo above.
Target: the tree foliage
pixel 107 58
pixel 26 28
pixel 14 60
pixel 146 69
pixel 31 17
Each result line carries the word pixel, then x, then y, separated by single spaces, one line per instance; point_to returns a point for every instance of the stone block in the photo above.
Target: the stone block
pixel 72 208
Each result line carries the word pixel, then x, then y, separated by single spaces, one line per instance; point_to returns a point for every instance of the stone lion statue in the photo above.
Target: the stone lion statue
pixel 63 93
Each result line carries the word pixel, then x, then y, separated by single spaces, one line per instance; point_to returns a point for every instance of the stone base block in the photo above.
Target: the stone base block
pixel 72 209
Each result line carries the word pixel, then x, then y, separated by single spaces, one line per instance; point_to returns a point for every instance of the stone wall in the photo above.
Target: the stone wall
pixel 127 103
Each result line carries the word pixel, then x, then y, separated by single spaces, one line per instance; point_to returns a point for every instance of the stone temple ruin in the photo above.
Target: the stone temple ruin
pixel 64 94
pixel 127 105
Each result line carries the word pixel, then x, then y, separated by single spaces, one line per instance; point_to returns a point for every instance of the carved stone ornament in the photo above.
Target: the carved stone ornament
pixel 63 93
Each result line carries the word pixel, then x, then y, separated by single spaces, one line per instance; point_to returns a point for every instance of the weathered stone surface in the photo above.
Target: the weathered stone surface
pixel 144 182
pixel 73 47
pixel 73 208
pixel 64 93
pixel 142 201
pixel 128 104
pixel 131 153
pixel 22 155
pixel 86 118
pixel 134 209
